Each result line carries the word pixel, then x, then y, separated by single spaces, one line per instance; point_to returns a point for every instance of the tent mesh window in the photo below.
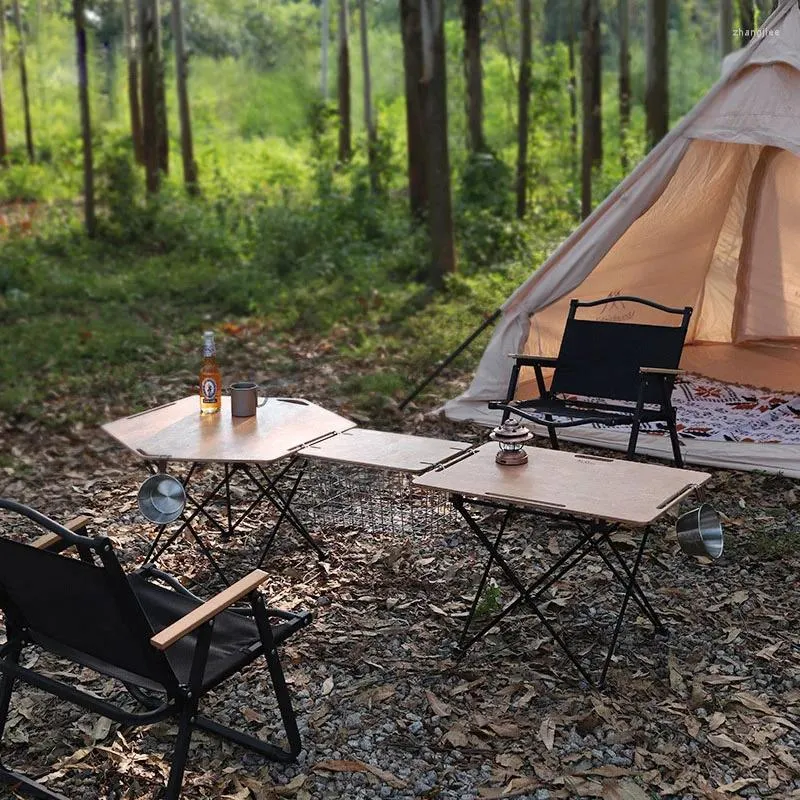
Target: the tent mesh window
pixel 373 501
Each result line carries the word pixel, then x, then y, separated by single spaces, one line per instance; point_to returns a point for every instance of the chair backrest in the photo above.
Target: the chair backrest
pixel 84 611
pixel 601 358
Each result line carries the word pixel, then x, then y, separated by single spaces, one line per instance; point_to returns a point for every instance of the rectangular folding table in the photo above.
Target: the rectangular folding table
pixel 247 446
pixel 593 494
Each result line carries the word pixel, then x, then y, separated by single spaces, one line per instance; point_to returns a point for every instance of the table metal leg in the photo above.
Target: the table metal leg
pixel 592 536
pixel 638 593
pixel 283 504
pixel 621 616
pixel 266 488
pixel 460 646
pixel 271 537
pixel 525 594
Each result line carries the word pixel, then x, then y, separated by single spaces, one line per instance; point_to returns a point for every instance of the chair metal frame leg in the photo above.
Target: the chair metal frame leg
pixel 669 411
pixel 27 786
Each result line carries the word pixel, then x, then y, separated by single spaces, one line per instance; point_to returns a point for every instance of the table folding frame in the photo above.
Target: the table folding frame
pixel 594 538
pixel 266 489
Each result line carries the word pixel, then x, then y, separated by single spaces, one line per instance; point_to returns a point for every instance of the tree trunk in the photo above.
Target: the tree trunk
pixel 110 75
pixel 725 27
pixel 746 21
pixel 345 145
pixel 3 140
pixel 656 99
pixel 369 119
pixel 181 73
pixel 3 53
pixel 325 41
pixel 434 72
pixel 132 60
pixel 624 81
pixel 472 14
pixel 573 88
pixel 592 150
pixel 523 103
pixel 86 122
pixel 23 77
pixel 149 61
pixel 161 96
pixel 411 29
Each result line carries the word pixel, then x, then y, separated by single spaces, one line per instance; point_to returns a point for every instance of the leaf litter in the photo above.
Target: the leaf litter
pixel 385 707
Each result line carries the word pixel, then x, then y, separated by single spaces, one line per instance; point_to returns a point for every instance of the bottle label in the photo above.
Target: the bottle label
pixel 209 390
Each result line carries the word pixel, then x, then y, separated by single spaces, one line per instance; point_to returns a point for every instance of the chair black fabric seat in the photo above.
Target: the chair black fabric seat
pixel 89 611
pixel 623 372
pixel 583 413
pixel 235 640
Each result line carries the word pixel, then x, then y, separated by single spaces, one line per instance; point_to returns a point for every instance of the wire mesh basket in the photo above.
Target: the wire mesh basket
pixel 373 501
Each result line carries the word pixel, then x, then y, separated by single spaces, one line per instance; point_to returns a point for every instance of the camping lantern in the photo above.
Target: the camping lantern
pixel 511 436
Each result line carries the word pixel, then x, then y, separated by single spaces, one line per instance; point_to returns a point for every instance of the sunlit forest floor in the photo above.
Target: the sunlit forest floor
pixel 385 708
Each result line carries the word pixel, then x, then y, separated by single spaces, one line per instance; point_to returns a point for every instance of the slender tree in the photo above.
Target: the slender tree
pixel 434 74
pixel 725 26
pixel 471 16
pixel 325 10
pixel 623 9
pixel 369 117
pixel 656 99
pixel 161 94
pixel 343 83
pixel 23 77
pixel 572 86
pixel 132 60
pixel 149 60
pixel 411 29
pixel 592 146
pixel 3 53
pixel 523 104
pixel 3 140
pixel 181 73
pixel 747 21
pixel 86 122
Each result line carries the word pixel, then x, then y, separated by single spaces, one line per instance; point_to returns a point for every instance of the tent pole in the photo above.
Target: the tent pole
pixel 452 357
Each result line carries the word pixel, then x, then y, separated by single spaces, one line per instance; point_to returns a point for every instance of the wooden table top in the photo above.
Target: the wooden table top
pixel 179 432
pixel 573 483
pixel 398 452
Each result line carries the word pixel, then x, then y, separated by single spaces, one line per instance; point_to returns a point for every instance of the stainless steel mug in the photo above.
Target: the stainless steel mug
pixel 244 399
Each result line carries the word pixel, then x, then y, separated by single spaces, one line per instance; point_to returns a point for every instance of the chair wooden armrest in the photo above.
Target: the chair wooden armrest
pixel 50 540
pixel 660 371
pixel 528 360
pixel 202 614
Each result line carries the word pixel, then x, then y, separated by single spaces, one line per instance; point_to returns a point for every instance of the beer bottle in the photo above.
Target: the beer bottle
pixel 210 377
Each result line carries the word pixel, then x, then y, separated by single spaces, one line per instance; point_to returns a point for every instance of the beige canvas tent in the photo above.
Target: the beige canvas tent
pixel 710 219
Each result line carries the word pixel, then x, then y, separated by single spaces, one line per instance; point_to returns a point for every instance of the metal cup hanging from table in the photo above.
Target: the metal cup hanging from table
pixel 162 499
pixel 511 436
pixel 700 532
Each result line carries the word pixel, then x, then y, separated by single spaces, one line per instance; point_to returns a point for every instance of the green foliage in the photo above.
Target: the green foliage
pixel 281 231
pixel 489 603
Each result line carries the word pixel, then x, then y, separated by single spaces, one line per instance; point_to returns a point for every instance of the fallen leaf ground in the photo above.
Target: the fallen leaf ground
pixel 385 708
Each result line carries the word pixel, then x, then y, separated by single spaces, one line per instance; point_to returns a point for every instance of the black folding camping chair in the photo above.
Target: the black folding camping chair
pixel 166 646
pixel 607 372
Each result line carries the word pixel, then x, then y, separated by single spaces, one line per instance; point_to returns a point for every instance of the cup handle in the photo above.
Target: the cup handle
pixel 261 402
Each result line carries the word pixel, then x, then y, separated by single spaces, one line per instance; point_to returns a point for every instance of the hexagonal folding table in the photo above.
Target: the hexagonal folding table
pixel 177 432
